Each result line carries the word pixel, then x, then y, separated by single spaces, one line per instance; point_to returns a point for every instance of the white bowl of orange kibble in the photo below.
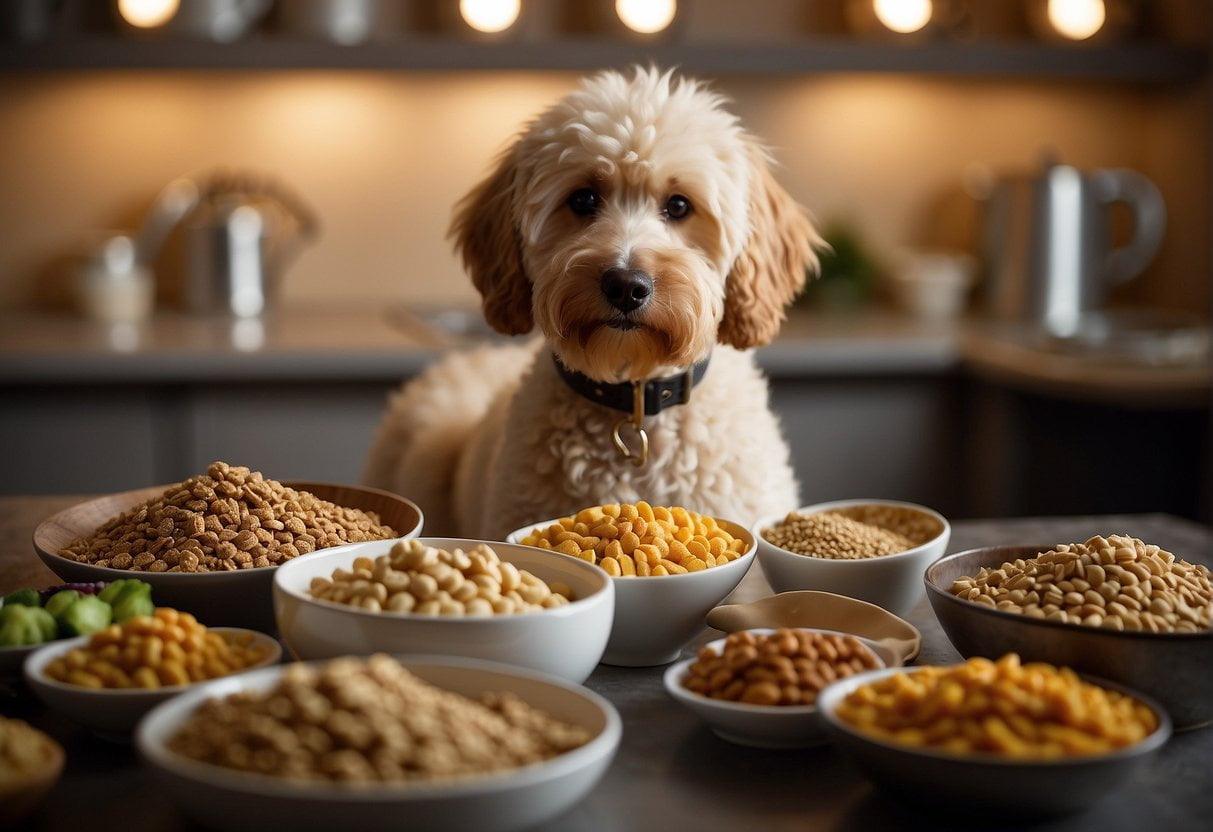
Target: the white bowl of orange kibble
pixel 669 566
pixel 108 680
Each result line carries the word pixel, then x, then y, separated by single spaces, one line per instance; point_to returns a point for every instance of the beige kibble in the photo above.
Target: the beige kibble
pixel 440 582
pixel 370 720
pixel 861 531
pixel 1128 585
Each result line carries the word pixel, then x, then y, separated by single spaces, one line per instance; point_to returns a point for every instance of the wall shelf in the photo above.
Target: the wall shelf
pixel 1144 64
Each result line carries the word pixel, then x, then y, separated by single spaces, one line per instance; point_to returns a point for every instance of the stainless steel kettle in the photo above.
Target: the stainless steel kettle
pixel 238 234
pixel 1047 248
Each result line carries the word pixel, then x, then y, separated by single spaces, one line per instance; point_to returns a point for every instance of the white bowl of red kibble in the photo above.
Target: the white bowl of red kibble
pixel 873 550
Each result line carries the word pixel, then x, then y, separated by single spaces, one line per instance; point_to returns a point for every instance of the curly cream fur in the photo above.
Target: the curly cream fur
pixel 490 440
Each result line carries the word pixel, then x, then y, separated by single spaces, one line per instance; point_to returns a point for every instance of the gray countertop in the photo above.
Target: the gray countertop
pixel 671 771
pixel 353 343
pixel 364 343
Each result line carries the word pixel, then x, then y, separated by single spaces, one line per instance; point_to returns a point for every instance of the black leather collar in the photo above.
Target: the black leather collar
pixel 659 393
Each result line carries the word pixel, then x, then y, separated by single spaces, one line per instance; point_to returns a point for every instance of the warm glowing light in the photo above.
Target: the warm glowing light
pixel 147 14
pixel 646 16
pixel 903 16
pixel 490 15
pixel 1077 19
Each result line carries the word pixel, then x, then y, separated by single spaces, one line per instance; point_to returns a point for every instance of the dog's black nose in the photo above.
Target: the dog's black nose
pixel 627 289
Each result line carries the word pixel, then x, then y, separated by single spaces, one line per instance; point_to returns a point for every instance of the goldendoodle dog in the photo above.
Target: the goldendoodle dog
pixel 637 225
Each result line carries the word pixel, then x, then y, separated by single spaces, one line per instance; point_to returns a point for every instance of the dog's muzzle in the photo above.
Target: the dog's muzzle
pixel 626 289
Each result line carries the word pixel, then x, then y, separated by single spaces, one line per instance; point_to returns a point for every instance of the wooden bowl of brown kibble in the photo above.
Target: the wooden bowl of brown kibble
pixel 208 545
pixel 873 550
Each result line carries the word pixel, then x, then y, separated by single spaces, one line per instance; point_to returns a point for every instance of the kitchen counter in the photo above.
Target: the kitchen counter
pixel 352 343
pixel 362 343
pixel 671 771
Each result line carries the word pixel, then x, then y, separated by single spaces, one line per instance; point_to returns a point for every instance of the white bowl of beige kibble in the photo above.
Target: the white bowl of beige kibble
pixel 446 596
pixel 873 550
pixel 1114 606
pixel 380 743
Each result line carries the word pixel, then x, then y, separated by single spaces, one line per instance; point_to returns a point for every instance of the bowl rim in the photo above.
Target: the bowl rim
pixel 35 664
pixel 750 552
pixel 937 592
pixel 139 495
pixel 833 694
pixel 672 675
pixel 563 611
pixel 816 508
pixel 269 786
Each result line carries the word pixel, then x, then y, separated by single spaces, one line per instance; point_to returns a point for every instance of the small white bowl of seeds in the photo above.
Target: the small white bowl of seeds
pixel 873 550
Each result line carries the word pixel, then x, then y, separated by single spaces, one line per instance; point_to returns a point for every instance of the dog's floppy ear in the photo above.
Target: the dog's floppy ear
pixel 486 236
pixel 773 266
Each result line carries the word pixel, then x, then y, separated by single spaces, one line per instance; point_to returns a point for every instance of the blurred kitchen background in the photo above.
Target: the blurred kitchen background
pixel 223 230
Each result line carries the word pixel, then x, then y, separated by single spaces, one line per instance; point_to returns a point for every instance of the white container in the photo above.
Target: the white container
pixel 565 641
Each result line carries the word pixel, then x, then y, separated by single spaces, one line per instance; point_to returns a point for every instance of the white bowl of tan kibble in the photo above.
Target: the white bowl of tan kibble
pixel 873 550
pixel 475 599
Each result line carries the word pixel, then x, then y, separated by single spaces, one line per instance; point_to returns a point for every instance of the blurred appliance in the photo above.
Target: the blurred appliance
pixel 238 234
pixel 1047 247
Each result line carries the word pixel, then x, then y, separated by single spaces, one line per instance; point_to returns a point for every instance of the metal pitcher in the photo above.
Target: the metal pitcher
pixel 238 234
pixel 1048 247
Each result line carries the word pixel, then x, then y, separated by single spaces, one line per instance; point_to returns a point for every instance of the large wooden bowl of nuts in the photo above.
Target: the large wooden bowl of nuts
pixel 209 544
pixel 1081 605
pixel 873 550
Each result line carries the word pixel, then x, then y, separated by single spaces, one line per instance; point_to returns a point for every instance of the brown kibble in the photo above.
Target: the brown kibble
pixel 758 668
pixel 216 516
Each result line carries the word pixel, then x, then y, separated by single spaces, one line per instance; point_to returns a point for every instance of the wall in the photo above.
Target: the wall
pixel 383 156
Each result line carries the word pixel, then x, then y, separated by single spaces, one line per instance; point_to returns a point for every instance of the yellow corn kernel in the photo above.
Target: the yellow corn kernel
pixel 627 566
pixel 172 673
pixel 568 547
pixel 145 677
pixel 612 566
pixel 84 679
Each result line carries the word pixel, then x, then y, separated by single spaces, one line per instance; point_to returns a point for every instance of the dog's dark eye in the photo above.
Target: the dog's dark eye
pixel 677 207
pixel 584 201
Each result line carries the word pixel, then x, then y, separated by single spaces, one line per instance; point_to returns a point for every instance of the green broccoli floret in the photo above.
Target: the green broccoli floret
pixel 87 615
pixel 128 597
pixel 58 603
pixel 24 625
pixel 25 597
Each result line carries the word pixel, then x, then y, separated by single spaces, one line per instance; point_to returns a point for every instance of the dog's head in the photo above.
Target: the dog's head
pixel 638 224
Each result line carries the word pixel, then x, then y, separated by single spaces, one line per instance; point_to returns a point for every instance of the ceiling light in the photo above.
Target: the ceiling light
pixel 646 16
pixel 147 14
pixel 490 16
pixel 903 16
pixel 1077 19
